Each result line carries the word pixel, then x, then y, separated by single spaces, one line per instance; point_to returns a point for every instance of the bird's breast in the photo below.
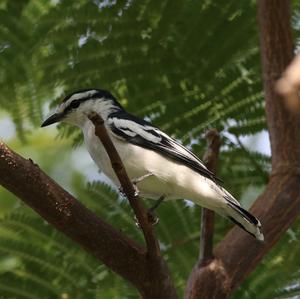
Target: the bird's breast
pixel 98 152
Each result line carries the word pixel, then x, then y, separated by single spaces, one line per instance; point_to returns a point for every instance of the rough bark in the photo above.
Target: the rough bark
pixel 27 181
pixel 127 258
pixel 279 205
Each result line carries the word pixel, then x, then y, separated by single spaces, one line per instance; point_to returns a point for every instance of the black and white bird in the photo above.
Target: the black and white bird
pixel 168 169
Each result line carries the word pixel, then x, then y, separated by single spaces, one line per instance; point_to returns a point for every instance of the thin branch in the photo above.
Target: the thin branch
pixel 137 206
pixel 210 159
pixel 206 237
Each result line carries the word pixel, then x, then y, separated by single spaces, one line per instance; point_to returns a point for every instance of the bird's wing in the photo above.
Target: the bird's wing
pixel 142 133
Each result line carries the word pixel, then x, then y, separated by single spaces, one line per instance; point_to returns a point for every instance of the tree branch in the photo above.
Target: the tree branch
pixel 141 214
pixel 279 205
pixel 27 181
pixel 125 257
pixel 206 237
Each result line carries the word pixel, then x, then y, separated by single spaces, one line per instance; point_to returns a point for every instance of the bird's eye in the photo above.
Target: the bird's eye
pixel 75 104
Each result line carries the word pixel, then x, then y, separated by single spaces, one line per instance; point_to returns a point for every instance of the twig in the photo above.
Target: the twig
pixel 210 159
pixel 153 249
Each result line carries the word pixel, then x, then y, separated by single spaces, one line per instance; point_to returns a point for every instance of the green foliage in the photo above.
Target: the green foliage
pixel 186 65
pixel 38 262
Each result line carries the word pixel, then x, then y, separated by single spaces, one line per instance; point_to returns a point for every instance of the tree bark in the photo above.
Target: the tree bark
pixel 279 205
pixel 121 254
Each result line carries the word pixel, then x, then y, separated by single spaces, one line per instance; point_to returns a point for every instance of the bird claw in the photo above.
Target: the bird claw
pixel 152 218
pixel 121 191
pixel 136 191
pixel 137 224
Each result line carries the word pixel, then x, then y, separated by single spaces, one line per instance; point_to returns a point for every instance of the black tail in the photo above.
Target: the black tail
pixel 245 220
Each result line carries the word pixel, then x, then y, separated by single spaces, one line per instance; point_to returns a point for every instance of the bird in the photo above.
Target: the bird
pixel 159 165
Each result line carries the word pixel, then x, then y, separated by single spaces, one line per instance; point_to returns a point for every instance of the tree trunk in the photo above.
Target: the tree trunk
pixel 238 254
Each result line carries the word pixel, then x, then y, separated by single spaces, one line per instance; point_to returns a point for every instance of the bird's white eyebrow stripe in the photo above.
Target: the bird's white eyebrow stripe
pixel 81 95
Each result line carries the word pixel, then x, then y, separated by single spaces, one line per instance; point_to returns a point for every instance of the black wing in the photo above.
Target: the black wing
pixel 142 133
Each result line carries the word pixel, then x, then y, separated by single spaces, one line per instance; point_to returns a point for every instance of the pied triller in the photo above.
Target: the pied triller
pixel 169 170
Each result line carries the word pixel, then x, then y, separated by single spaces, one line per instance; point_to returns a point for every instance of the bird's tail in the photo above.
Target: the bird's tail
pixel 244 219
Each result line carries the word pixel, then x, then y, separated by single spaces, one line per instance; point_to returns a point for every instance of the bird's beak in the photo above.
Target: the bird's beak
pixel 54 118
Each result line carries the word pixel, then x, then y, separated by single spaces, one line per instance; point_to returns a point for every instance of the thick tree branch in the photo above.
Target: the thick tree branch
pixel 137 206
pixel 279 205
pixel 27 181
pixel 277 51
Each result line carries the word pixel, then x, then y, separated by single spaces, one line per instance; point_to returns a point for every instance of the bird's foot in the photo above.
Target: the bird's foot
pixel 137 224
pixel 136 191
pixel 152 218
pixel 121 191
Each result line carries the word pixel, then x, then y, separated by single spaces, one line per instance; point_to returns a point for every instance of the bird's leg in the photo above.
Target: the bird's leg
pixel 137 180
pixel 151 212
pixel 134 182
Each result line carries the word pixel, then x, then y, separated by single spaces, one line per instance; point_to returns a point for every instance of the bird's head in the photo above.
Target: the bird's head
pixel 76 107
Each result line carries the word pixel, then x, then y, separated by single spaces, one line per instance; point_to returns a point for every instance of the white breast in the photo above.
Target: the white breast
pixel 97 151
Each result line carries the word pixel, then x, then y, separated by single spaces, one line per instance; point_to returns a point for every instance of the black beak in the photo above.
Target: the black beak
pixel 56 117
